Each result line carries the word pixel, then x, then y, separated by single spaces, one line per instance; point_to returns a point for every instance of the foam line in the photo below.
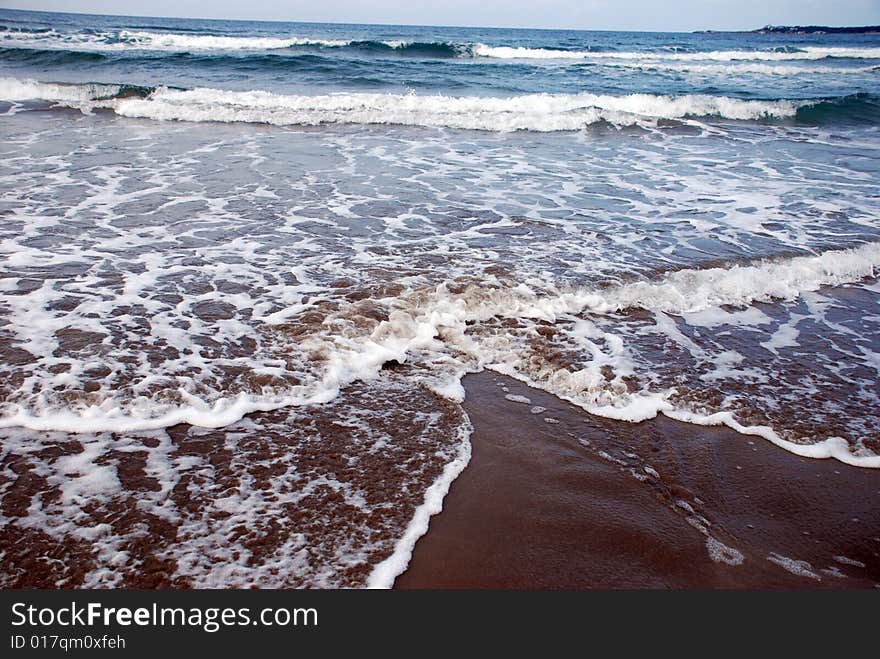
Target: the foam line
pixel 805 53
pixel 385 572
pixel 535 112
pixel 445 314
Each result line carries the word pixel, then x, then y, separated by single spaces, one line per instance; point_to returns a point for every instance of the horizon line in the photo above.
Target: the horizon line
pixel 481 27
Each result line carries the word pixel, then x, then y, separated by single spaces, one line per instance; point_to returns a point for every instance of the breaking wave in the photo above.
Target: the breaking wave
pixel 79 94
pixel 191 41
pixel 438 321
pixel 805 53
pixel 530 112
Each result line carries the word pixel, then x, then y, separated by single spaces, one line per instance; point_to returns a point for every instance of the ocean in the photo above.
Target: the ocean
pixel 244 267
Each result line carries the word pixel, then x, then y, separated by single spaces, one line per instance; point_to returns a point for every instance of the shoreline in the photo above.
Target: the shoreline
pixel 556 498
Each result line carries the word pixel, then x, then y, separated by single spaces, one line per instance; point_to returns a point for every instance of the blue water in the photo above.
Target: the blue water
pixel 78 48
pixel 292 241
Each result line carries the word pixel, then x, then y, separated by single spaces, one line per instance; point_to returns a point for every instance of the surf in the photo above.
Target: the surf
pixel 529 112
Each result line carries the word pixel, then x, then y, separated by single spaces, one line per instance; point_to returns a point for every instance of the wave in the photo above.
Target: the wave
pixel 26 30
pixel 162 41
pixel 440 318
pixel 805 53
pixel 49 56
pixel 735 68
pixel 680 292
pixel 414 48
pixel 80 94
pixel 186 41
pixel 233 60
pixel 534 112
pixel 176 28
pixel 189 42
pixel 686 291
pixel 861 108
pixel 173 41
pixel 285 59
pixel 537 112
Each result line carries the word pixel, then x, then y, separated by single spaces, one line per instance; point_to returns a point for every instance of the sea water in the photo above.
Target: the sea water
pixel 245 265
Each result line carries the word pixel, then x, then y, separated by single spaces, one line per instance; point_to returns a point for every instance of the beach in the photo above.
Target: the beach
pixel 312 305
pixel 557 499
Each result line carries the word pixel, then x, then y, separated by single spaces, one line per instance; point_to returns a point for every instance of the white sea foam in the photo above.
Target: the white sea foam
pixel 385 572
pixel 688 291
pixel 831 447
pixel 130 253
pixel 176 41
pixel 541 112
pixel 693 290
pixel 795 566
pixel 217 509
pixel 183 42
pixel 535 112
pixel 15 89
pixel 721 553
pixel 845 560
pixel 168 365
pixel 419 328
pixel 805 53
pixel 735 68
pixel 164 41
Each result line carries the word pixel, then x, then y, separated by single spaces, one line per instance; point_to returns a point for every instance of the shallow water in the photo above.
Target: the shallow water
pixel 235 229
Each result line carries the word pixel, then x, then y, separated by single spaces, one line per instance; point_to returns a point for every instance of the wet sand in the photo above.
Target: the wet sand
pixel 561 499
pixel 164 519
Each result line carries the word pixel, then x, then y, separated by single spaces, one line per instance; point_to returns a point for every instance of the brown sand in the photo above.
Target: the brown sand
pixel 288 456
pixel 559 505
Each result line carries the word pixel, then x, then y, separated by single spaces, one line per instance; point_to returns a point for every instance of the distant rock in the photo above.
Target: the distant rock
pixel 816 29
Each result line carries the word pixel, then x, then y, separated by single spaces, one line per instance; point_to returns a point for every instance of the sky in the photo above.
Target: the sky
pixel 651 15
